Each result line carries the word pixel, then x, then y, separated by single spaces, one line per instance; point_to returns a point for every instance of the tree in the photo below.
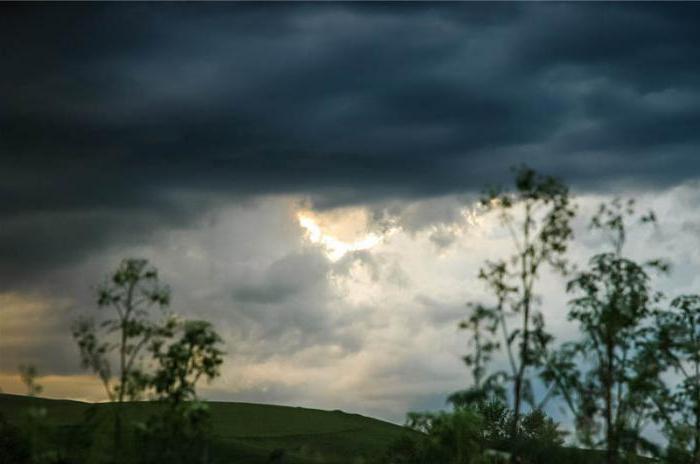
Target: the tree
pixel 162 359
pixel 610 374
pixel 537 215
pixel 131 292
pixel 678 343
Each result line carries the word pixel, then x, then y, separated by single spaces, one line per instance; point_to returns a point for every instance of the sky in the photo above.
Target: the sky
pixel 304 175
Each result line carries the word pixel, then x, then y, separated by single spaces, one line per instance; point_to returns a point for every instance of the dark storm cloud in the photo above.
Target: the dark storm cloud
pixel 108 109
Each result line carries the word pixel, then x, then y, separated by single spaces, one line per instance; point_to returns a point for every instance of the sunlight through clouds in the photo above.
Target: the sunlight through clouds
pixel 334 247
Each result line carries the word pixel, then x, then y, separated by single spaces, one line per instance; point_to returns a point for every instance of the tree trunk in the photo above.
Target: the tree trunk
pixel 516 408
pixel 696 441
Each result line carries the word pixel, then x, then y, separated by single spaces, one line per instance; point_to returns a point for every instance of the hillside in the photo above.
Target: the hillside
pixel 243 432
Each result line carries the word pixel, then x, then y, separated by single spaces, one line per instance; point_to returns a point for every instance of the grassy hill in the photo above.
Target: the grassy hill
pixel 243 432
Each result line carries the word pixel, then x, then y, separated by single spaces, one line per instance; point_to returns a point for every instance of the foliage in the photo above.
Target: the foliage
pixel 538 427
pixel 497 421
pixel 181 364
pixel 538 433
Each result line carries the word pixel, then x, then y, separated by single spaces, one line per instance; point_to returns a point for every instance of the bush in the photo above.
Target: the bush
pixel 445 437
pixel 480 434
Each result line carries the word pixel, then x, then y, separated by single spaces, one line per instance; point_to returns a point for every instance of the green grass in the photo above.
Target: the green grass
pixel 242 432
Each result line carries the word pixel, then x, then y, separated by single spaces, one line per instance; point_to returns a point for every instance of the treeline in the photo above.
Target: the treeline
pixel 635 366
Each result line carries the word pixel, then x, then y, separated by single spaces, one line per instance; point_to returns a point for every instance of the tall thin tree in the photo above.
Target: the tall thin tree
pixel 537 214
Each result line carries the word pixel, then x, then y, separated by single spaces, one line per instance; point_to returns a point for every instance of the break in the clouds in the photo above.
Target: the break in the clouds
pixel 304 174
